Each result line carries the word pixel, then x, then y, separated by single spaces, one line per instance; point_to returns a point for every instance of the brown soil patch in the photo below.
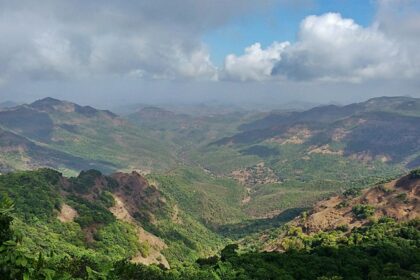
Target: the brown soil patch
pixel 294 135
pixel 258 174
pixel 67 213
pixel 120 212
pixel 399 199
pixel 325 150
pixel 339 134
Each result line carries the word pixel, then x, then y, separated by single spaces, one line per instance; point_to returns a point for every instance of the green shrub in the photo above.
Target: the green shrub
pixel 343 228
pixel 90 213
pixel 107 199
pixel 402 197
pixel 415 174
pixel 342 204
pixel 352 192
pixel 85 181
pixel 363 211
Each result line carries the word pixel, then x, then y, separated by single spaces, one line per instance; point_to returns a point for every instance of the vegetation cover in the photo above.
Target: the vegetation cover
pixel 212 178
pixel 382 250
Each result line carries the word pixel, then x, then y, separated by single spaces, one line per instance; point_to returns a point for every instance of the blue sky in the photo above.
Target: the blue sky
pixel 280 24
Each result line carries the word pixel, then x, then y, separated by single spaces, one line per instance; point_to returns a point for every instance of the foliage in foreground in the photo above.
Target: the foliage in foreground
pixel 383 250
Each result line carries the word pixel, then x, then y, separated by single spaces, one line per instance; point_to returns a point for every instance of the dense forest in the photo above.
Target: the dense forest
pixel 383 250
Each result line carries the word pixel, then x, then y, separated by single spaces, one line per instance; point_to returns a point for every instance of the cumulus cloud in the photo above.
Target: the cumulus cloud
pixel 256 64
pixel 328 48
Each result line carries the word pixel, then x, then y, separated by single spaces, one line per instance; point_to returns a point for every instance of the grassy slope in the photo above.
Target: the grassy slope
pixel 214 201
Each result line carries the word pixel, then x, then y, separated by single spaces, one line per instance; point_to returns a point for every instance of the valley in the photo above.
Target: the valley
pixel 210 140
pixel 164 188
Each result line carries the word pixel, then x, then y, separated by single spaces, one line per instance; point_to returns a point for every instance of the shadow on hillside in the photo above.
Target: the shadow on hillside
pixel 252 226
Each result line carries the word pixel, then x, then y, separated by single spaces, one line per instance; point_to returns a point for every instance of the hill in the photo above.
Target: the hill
pixel 97 137
pixel 383 129
pixel 398 199
pixel 19 153
pixel 235 171
pixel 8 104
pixel 290 159
pixel 383 248
pixel 120 216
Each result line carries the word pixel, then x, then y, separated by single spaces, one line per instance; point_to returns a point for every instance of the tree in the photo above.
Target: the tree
pixel 6 207
pixel 415 174
pixel 228 252
pixel 362 211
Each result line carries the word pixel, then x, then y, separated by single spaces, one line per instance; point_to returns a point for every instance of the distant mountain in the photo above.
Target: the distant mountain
pixel 83 133
pixel 288 160
pixel 158 117
pixel 273 164
pixel 186 128
pixel 385 128
pixel 19 153
pixel 54 105
pixel 8 104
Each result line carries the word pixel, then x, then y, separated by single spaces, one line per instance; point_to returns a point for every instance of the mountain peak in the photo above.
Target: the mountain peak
pixel 50 104
pixel 47 101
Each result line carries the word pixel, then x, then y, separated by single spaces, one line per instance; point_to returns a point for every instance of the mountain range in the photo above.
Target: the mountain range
pixel 166 187
pixel 71 137
pixel 271 162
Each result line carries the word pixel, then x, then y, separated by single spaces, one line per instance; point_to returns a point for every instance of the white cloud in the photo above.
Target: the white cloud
pixel 328 48
pixel 332 48
pixel 256 64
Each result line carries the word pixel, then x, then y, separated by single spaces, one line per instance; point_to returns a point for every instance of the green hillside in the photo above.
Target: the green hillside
pixel 36 245
pixel 114 217
pixel 230 169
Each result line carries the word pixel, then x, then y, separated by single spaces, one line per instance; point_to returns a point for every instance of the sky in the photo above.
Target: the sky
pixel 108 52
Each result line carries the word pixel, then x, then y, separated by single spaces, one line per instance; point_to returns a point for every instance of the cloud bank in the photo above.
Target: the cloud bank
pixel 157 39
pixel 119 50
